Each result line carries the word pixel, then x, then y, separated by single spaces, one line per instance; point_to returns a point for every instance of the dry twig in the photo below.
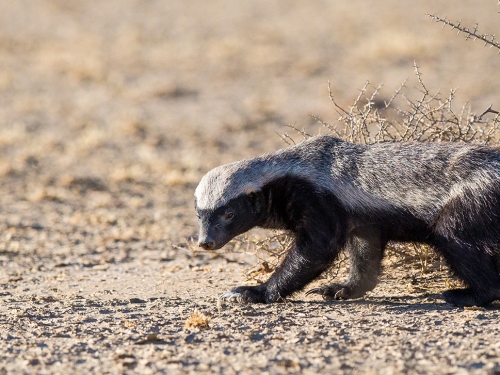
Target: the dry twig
pixel 488 39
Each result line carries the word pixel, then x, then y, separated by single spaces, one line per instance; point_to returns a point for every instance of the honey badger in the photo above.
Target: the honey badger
pixel 333 195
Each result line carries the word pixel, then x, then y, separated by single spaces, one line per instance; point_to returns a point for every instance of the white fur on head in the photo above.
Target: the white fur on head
pixel 229 181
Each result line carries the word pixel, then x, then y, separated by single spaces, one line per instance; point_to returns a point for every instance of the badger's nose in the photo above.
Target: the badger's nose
pixel 206 244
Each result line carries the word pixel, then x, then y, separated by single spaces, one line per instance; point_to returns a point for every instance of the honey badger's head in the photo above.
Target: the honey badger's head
pixel 228 202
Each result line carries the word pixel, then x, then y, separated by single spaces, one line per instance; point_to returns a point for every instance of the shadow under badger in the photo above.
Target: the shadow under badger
pixel 333 195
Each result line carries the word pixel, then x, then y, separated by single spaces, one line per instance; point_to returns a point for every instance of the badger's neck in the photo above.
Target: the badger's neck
pixel 288 182
pixel 294 203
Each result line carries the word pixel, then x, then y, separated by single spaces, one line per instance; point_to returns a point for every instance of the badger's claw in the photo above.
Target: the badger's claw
pixel 314 291
pixel 231 296
pixel 331 292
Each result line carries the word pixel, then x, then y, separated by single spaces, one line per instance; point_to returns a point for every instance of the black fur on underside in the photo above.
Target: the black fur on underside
pixel 465 234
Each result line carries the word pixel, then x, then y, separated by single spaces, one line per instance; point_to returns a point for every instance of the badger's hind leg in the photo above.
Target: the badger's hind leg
pixel 466 234
pixel 365 248
pixel 477 269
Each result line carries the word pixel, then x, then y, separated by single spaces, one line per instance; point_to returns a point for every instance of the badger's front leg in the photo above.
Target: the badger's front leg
pixel 311 255
pixel 365 247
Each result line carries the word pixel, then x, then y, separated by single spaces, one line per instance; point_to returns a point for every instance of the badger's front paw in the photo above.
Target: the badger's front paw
pixel 332 292
pixel 247 294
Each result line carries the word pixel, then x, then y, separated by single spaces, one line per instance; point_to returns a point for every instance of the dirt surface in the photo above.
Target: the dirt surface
pixel 110 112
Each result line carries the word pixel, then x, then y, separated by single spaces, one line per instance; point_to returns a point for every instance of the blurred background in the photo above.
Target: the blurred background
pixel 111 111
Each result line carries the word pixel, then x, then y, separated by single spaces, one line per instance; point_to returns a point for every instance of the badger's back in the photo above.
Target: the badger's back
pixel 423 177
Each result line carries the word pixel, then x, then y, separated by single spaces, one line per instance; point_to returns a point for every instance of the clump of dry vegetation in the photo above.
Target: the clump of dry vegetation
pixel 269 250
pixel 409 115
pixel 429 118
pixel 198 320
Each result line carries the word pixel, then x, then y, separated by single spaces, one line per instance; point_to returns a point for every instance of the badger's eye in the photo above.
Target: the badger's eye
pixel 229 215
pixel 198 216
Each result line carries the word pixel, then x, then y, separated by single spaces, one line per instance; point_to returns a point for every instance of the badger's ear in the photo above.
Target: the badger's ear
pixel 250 188
pixel 252 196
pixel 256 199
pixel 253 193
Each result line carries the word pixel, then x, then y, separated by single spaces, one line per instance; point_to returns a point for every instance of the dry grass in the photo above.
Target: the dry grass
pixel 198 320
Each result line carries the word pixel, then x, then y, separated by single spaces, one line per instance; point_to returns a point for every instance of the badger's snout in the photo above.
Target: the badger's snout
pixel 206 243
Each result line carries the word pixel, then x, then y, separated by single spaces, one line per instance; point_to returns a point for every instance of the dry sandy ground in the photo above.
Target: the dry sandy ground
pixel 110 112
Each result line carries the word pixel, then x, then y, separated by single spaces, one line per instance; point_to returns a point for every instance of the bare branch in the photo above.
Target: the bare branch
pixel 301 132
pixel 286 138
pixel 469 34
pixel 488 110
